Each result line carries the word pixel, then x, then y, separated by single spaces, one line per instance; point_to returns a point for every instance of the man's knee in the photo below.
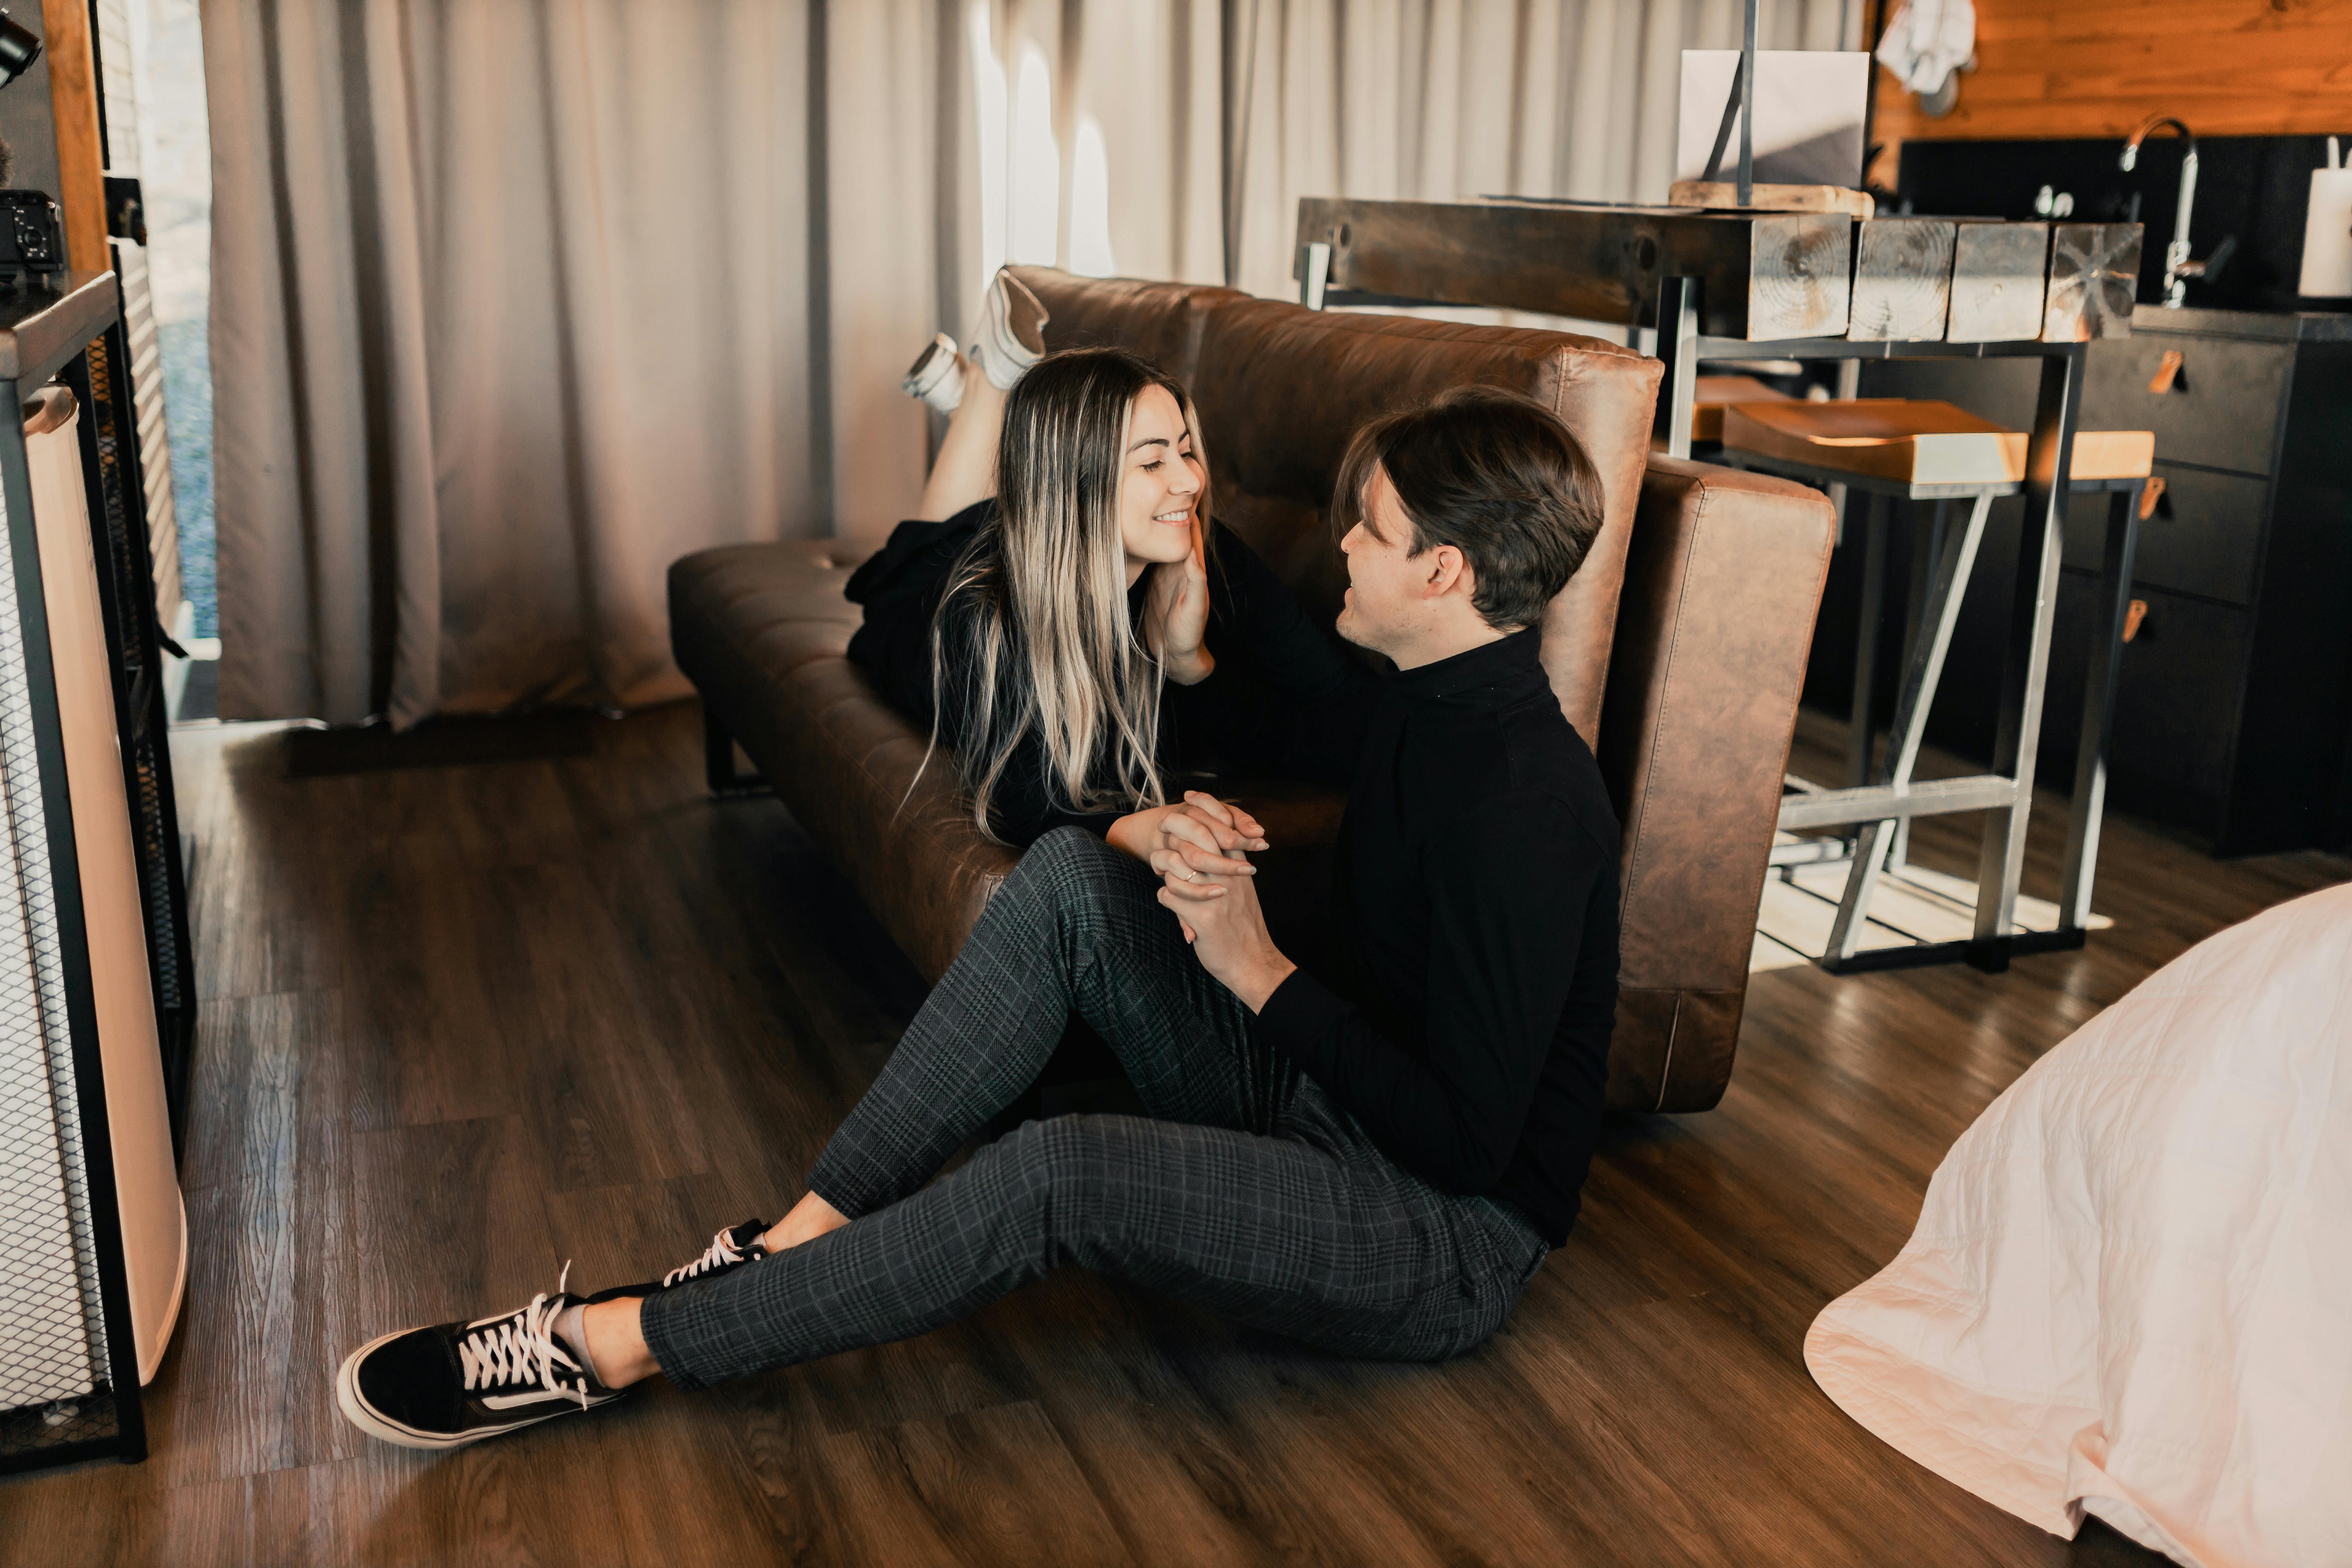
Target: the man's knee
pixel 1064 1163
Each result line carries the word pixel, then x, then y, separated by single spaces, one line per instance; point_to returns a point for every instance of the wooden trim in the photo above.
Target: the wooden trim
pixel 2097 67
pixel 1724 194
pixel 81 161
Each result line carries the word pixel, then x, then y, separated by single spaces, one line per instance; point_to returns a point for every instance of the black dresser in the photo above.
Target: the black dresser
pixel 2234 703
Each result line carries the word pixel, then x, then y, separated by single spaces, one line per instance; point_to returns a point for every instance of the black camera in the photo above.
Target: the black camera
pixel 19 47
pixel 32 241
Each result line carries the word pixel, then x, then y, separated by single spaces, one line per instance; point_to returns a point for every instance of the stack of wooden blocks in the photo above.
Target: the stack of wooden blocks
pixel 1764 274
pixel 1959 281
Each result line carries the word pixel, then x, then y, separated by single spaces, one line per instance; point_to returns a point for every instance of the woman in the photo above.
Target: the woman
pixel 1060 568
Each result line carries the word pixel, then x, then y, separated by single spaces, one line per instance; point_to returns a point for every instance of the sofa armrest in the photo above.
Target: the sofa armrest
pixel 1722 582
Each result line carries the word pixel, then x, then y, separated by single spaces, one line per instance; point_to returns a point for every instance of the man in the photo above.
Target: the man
pixel 1375 1158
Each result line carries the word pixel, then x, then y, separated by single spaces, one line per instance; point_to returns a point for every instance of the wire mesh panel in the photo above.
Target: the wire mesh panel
pixel 127 579
pixel 53 1348
pixel 151 767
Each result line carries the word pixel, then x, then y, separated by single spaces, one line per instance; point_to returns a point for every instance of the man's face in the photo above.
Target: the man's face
pixel 1387 585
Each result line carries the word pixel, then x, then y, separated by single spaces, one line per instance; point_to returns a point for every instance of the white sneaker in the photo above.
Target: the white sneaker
pixel 937 375
pixel 1012 330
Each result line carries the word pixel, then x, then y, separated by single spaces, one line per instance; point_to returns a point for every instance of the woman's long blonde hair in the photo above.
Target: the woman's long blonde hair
pixel 1042 592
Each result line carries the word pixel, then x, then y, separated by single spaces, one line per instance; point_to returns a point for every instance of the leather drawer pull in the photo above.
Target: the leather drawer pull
pixel 2150 495
pixel 2135 613
pixel 2168 372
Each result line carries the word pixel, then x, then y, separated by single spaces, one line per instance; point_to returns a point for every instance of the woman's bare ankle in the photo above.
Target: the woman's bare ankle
pixel 616 1343
pixel 983 400
pixel 811 1218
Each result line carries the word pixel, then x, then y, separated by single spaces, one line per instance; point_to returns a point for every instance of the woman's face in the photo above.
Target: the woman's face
pixel 1160 485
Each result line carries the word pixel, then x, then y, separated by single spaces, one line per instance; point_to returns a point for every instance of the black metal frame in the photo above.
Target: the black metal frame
pixel 120 1392
pixel 101 381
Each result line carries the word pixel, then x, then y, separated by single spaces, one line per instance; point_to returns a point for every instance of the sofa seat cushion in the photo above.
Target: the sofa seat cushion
pixel 763 632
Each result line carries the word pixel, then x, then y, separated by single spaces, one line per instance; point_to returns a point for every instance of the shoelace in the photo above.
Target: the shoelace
pixel 523 1349
pixel 719 1254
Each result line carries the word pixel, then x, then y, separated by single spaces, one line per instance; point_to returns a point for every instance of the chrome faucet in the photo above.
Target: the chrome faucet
pixel 2177 267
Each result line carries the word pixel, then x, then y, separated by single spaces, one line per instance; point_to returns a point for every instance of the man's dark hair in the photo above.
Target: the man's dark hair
pixel 1495 475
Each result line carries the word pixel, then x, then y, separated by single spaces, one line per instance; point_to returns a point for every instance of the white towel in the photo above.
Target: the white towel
pixel 1927 41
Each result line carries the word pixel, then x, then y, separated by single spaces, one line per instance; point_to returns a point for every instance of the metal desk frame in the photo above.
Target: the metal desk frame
pixel 1939 581
pixel 2007 793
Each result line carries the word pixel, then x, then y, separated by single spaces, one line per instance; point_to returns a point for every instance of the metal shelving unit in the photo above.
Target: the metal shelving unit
pixel 49 1007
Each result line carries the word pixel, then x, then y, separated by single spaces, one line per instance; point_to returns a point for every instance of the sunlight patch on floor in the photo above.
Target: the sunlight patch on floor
pixel 1912 904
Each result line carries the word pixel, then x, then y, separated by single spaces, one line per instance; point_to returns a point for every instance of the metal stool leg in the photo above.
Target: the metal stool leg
pixel 1923 670
pixel 2090 793
pixel 2025 667
pixel 1924 557
pixel 1865 640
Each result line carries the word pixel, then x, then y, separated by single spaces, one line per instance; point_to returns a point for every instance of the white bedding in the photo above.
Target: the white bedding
pixel 2130 1290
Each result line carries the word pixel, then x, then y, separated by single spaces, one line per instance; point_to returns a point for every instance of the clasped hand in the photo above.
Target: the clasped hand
pixel 1200 848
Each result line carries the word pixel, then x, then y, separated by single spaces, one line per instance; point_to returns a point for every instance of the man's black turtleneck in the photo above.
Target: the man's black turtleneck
pixel 1463 1012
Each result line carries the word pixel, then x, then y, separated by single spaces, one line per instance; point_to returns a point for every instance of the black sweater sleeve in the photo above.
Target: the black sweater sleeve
pixel 1284 700
pixel 1022 808
pixel 1510 882
pixel 899 589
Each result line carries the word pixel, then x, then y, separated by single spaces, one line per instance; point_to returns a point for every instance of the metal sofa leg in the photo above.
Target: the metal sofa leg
pixel 718 763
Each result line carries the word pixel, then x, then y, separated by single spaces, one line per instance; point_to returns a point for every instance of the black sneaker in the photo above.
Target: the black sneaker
pixel 455 1384
pixel 730 1249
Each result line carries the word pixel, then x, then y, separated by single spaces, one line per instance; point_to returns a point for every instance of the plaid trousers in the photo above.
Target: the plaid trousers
pixel 1246 1191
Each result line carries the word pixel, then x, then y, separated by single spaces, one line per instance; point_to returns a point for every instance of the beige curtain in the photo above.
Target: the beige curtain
pixel 511 308
pixel 1433 100
pixel 515 302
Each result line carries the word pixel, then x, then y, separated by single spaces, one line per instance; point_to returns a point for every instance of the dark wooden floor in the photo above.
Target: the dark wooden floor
pixel 464 1024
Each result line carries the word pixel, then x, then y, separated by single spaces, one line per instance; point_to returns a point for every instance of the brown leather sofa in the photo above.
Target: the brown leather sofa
pixel 1678 648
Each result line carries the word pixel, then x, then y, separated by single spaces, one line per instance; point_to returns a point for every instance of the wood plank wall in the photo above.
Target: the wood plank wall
pixel 2097 68
pixel 81 166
